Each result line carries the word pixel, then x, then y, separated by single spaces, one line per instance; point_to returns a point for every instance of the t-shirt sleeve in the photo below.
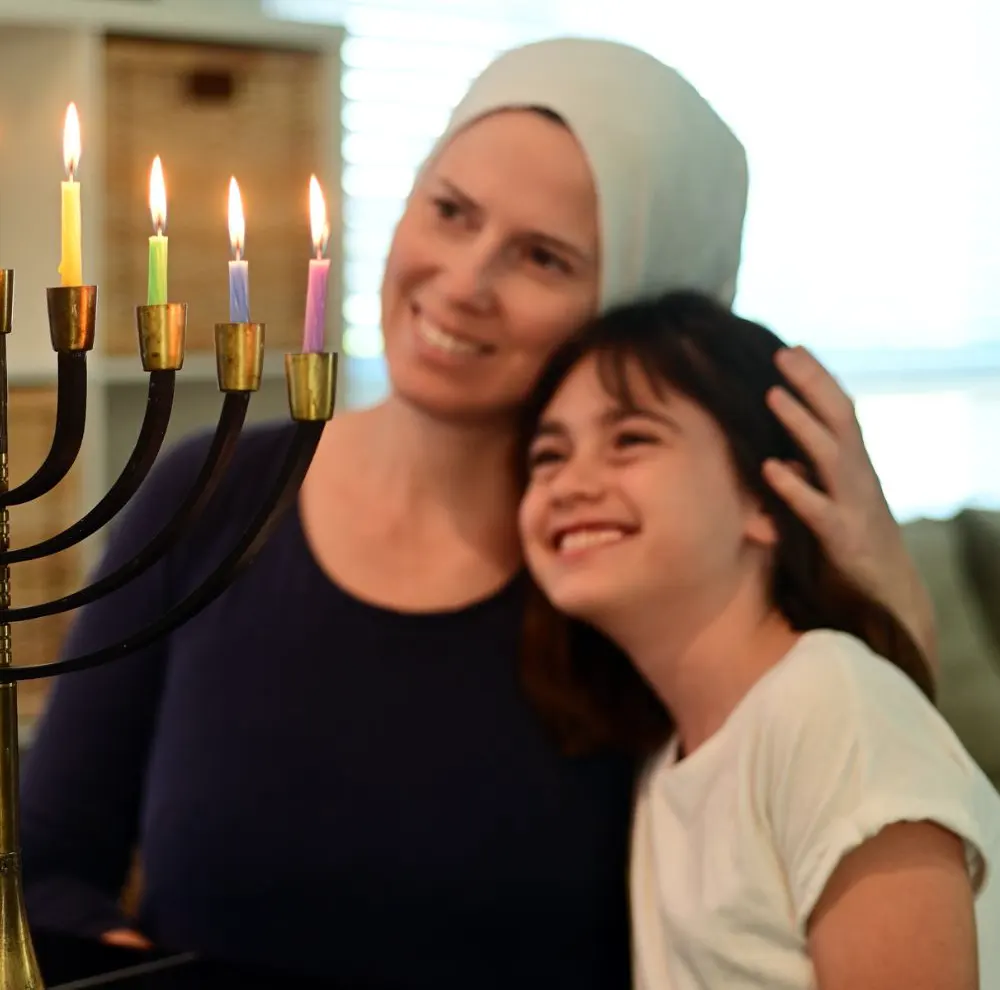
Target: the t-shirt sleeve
pixel 851 746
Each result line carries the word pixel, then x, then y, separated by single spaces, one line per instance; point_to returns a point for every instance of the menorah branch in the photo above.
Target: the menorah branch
pixel 239 351
pixel 67 438
pixel 72 323
pixel 159 404
pixel 213 470
pixel 279 499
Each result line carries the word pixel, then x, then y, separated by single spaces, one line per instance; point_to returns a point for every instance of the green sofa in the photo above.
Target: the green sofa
pixel 959 559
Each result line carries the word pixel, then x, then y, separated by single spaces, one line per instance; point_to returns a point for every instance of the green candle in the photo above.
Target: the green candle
pixel 156 293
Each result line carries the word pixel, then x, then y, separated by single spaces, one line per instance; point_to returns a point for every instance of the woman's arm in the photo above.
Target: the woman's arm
pixel 852 518
pixel 897 912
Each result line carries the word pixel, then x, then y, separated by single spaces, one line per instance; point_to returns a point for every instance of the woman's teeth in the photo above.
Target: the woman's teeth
pixel 582 539
pixel 437 337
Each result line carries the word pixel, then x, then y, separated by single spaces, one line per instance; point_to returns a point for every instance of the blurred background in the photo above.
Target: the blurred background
pixel 873 233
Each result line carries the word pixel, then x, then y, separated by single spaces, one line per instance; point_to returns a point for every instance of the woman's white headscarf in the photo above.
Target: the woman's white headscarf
pixel 671 177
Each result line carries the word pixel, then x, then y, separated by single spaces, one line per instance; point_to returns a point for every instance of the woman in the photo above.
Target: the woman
pixel 806 819
pixel 335 763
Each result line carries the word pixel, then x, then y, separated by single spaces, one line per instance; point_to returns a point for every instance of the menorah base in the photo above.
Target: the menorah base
pixel 18 965
pixel 19 968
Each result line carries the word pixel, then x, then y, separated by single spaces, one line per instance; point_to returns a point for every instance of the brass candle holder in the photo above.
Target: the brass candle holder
pixel 239 348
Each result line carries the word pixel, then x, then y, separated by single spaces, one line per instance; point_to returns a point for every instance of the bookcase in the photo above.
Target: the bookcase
pixel 216 89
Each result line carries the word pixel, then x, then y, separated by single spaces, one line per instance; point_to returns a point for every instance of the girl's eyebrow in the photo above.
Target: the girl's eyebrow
pixel 551 427
pixel 615 416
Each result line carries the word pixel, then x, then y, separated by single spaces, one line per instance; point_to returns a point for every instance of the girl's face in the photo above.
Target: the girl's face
pixel 630 512
pixel 493 265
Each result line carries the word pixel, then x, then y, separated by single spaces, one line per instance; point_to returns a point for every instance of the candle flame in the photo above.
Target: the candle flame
pixel 237 223
pixel 317 217
pixel 158 196
pixel 71 141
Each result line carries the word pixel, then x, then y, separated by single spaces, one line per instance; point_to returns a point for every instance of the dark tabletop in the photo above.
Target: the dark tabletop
pixel 70 963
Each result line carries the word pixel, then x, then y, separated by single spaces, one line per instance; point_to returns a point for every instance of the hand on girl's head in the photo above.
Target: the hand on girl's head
pixel 850 514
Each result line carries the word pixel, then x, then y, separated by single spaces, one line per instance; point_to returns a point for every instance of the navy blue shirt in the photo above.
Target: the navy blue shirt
pixel 315 779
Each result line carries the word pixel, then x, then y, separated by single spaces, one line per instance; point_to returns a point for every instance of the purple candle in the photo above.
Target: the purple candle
pixel 239 288
pixel 314 337
pixel 239 291
pixel 314 334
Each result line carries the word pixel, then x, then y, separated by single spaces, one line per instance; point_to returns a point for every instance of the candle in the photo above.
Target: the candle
pixel 71 263
pixel 239 288
pixel 156 293
pixel 314 334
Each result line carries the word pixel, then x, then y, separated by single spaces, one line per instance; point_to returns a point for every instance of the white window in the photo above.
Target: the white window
pixel 873 232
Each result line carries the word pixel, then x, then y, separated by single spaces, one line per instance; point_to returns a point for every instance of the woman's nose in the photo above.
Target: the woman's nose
pixel 468 275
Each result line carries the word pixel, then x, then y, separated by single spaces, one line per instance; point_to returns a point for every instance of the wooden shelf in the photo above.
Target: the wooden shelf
pixel 210 112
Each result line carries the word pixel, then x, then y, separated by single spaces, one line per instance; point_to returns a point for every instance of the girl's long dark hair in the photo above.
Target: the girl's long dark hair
pixel 584 686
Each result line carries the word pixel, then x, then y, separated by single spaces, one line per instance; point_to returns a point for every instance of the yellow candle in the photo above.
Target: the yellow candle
pixel 156 293
pixel 71 263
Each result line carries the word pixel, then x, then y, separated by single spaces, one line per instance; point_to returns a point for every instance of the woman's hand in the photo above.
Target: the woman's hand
pixel 851 518
pixel 127 938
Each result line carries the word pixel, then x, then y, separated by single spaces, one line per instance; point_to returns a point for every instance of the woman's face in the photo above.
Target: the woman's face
pixel 631 511
pixel 494 263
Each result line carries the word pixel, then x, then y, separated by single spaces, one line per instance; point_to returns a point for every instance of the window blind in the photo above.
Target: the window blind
pixel 873 231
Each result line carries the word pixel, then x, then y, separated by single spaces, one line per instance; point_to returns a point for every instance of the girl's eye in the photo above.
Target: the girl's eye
pixel 541 456
pixel 542 257
pixel 630 438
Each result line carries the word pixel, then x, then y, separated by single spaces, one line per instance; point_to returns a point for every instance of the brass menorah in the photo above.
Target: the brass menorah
pixel 239 347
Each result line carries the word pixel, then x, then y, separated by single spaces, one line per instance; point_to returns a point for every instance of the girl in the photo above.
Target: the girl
pixel 806 819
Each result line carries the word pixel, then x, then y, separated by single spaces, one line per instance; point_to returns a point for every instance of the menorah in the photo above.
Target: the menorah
pixel 239 348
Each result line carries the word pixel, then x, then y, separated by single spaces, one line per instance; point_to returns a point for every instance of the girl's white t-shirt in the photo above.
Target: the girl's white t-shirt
pixel 733 845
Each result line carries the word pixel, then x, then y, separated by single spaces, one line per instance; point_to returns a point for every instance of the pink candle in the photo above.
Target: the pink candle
pixel 314 334
pixel 314 337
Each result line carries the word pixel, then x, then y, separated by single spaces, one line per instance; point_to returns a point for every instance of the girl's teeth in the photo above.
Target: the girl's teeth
pixel 436 337
pixel 584 538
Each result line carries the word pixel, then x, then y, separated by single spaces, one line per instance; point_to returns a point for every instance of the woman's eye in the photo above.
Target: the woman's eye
pixel 542 257
pixel 447 209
